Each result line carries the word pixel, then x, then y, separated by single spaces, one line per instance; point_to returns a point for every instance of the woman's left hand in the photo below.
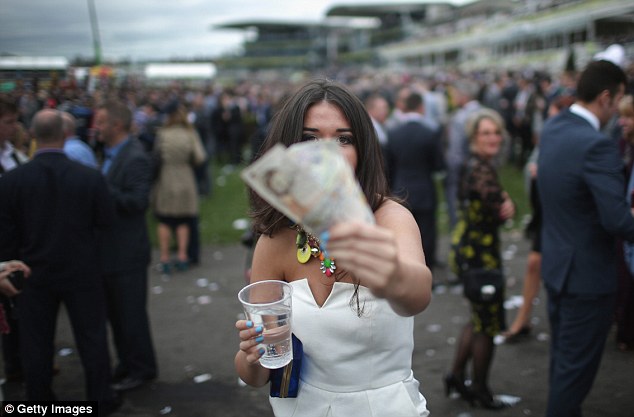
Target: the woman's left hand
pixel 386 257
pixel 507 209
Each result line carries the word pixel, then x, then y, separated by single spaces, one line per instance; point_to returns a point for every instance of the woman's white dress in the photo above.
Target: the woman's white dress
pixel 352 366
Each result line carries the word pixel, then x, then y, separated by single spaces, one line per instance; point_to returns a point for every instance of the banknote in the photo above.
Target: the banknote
pixel 311 183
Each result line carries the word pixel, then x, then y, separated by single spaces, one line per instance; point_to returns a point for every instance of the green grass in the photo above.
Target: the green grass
pixel 512 179
pixel 228 203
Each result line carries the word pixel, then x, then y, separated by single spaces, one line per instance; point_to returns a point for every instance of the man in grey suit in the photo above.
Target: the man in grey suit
pixel 582 191
pixel 457 149
pixel 125 248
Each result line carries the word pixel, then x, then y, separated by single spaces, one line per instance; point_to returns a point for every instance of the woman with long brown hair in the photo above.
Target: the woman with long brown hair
pixel 356 320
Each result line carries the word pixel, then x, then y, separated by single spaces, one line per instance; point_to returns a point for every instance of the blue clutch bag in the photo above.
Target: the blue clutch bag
pixel 285 380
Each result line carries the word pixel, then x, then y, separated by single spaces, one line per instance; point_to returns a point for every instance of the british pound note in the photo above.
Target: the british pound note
pixel 311 183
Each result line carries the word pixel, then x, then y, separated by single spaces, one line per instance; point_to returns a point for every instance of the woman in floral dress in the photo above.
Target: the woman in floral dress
pixel 485 206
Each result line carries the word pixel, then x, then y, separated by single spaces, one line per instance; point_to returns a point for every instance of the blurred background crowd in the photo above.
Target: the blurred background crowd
pixel 194 133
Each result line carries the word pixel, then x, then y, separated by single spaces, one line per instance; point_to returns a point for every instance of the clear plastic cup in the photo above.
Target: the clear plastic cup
pixel 268 304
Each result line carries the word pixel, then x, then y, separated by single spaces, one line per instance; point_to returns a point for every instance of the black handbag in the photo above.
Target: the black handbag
pixel 483 285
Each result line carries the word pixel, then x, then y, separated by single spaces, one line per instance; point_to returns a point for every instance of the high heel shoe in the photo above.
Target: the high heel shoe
pixel 486 400
pixel 454 384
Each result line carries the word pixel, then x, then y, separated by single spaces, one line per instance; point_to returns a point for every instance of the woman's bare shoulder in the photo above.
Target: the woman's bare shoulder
pixel 274 254
pixel 391 211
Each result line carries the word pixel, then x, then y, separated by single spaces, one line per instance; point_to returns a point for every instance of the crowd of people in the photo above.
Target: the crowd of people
pixel 95 162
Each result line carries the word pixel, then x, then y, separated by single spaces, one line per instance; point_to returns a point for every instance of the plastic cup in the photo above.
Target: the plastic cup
pixel 268 304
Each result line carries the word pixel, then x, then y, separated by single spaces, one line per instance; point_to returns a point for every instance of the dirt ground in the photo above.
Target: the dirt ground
pixel 193 315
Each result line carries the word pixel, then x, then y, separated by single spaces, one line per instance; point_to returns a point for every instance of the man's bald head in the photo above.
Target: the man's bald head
pixel 48 128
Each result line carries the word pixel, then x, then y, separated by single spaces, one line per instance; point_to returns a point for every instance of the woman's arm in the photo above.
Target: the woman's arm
pixel 264 266
pixel 387 258
pixel 485 182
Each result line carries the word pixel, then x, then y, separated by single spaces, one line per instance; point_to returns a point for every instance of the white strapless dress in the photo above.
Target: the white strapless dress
pixel 352 366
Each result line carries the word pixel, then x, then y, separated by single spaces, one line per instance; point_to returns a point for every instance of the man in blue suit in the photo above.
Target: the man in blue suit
pixel 413 154
pixel 581 185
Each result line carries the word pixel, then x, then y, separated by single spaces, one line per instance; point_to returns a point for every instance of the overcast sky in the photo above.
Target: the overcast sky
pixel 145 29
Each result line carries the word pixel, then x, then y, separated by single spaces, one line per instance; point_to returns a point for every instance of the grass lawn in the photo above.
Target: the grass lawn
pixel 225 208
pixel 512 179
pixel 224 212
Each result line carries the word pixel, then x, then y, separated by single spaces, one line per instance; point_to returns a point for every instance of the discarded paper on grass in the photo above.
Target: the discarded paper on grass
pixel 311 183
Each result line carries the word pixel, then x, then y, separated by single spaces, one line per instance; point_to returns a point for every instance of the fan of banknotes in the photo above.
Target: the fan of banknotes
pixel 311 183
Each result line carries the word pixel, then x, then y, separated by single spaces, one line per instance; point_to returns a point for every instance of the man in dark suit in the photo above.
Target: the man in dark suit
pixel 413 154
pixel 125 248
pixel 50 211
pixel 10 158
pixel 581 186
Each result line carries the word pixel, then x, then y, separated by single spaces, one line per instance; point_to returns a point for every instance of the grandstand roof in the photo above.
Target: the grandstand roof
pixel 282 26
pixel 379 10
pixel 267 25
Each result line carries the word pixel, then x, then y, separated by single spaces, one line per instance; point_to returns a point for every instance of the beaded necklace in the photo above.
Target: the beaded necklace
pixel 309 245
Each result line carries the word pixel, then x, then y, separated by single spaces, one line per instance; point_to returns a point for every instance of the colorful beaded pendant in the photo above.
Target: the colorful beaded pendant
pixel 307 246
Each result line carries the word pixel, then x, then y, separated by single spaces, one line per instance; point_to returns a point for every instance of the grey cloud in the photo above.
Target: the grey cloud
pixel 140 29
